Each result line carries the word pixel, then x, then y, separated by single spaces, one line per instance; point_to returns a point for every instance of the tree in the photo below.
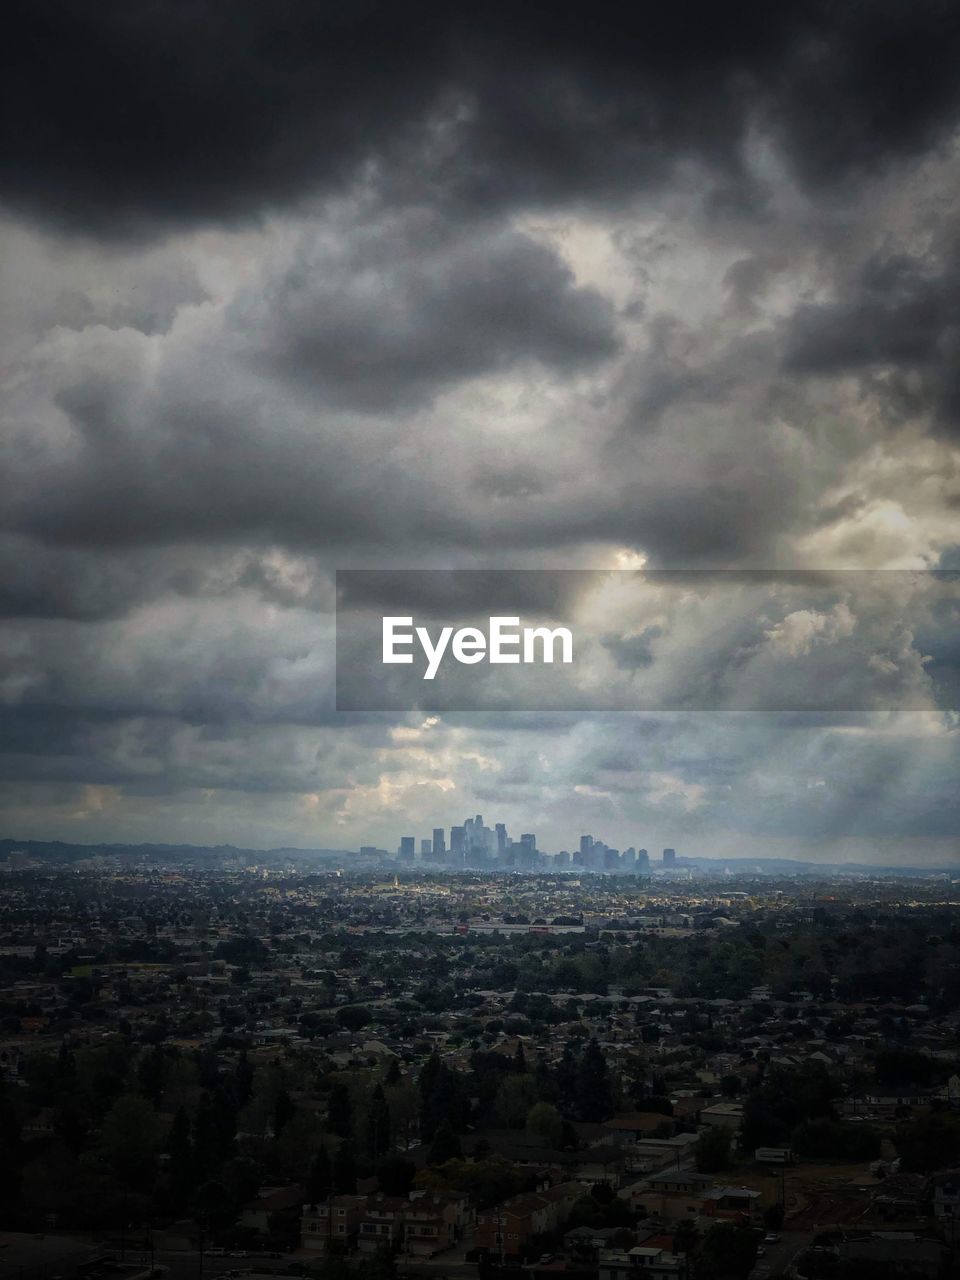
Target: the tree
pixel 340 1110
pixel 182 1165
pixel 928 1143
pixel 445 1145
pixel 130 1140
pixel 895 1066
pixel 283 1111
pixel 567 1081
pixel 713 1150
pixel 441 1097
pixel 378 1124
pixel 242 1081
pixel 515 1096
pixel 773 1216
pixel 727 1252
pixel 214 1130
pixel 395 1175
pixel 354 1016
pixel 601 1208
pixel 546 1123
pixel 344 1171
pixel 320 1178
pixel 215 1208
pixel 150 1074
pixel 593 1085
pixel 832 1140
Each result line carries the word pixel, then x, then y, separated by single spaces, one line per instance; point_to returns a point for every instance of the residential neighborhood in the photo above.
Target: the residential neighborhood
pixel 279 1071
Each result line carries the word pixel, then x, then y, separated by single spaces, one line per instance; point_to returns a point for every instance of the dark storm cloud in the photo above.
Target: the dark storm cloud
pixel 900 317
pixel 122 115
pixel 408 306
pixel 456 593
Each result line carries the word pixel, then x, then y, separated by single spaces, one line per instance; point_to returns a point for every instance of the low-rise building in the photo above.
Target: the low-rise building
pixel 629 1264
pixel 334 1220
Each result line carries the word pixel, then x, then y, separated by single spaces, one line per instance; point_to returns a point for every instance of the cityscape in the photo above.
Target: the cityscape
pixel 240 1064
pixel 476 845
pixel 479 664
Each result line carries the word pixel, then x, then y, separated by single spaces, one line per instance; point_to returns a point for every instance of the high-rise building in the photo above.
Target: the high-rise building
pixel 643 863
pixel 426 847
pixel 501 830
pixel 439 844
pixel 586 844
pixel 458 843
pixel 407 850
pixel 669 857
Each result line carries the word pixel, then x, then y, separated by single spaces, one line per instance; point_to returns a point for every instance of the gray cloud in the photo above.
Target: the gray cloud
pixel 899 320
pixel 406 307
pixel 126 117
pixel 298 288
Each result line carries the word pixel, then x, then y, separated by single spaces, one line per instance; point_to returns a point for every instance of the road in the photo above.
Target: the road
pixel 185 1264
pixel 779 1256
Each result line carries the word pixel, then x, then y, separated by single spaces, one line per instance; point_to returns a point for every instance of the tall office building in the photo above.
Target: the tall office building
pixel 426 848
pixel 458 843
pixel 501 830
pixel 643 863
pixel 586 844
pixel 439 844
pixel 669 857
pixel 407 850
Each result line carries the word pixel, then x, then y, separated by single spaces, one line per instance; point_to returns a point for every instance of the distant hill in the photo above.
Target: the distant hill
pixel 796 866
pixel 64 852
pixel 59 852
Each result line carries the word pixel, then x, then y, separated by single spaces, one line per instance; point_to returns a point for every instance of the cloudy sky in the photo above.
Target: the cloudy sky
pixel 292 287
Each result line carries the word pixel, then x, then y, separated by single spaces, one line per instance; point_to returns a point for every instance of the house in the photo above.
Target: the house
pixel 896 1253
pixel 649 1154
pixel 336 1219
pixel 723 1115
pixel 431 1223
pixel 256 1213
pixel 456 1207
pixel 425 1224
pixel 687 1182
pixel 736 1204
pixel 507 1228
pixel 672 1196
pixel 946 1195
pixel 586 1240
pixel 642 1261
pixel 599 1164
pixel 773 1155
pixel 381 1223
pixel 631 1126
